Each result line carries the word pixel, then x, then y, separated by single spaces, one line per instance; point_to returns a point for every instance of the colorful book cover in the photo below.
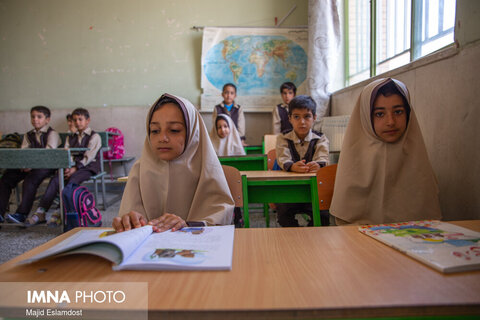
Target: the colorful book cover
pixel 441 245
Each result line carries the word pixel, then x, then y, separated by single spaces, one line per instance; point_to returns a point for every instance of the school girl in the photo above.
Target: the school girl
pixel 384 174
pixel 225 137
pixel 178 178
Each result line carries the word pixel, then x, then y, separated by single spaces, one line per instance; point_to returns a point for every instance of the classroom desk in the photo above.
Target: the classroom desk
pixel 248 162
pixel 284 273
pixel 253 149
pixel 38 158
pixel 279 187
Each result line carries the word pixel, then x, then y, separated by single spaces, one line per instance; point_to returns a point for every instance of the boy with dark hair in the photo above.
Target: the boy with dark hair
pixel 300 150
pixel 281 124
pixel 71 125
pixel 87 163
pixel 41 136
pixel 231 109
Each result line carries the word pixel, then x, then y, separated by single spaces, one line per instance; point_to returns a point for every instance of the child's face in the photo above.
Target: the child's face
pixel 81 123
pixel 222 128
pixel 229 95
pixel 287 95
pixel 38 120
pixel 389 117
pixel 168 132
pixel 71 125
pixel 302 121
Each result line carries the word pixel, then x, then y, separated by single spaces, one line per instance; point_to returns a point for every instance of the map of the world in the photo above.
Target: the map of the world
pixel 256 60
pixel 258 65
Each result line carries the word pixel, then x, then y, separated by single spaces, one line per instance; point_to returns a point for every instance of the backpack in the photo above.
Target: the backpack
pixel 116 145
pixel 11 140
pixel 79 207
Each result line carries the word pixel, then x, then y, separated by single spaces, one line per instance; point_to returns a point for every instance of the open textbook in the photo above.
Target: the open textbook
pixel 192 248
pixel 441 245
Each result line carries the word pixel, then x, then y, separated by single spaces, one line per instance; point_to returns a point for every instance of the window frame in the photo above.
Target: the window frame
pixel 415 38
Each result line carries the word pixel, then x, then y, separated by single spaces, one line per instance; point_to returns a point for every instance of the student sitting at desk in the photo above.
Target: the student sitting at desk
pixel 41 136
pixel 178 178
pixel 87 164
pixel 230 108
pixel 225 137
pixel 384 174
pixel 281 124
pixel 300 150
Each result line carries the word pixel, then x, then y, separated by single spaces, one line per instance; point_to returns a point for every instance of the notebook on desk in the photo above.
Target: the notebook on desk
pixel 441 245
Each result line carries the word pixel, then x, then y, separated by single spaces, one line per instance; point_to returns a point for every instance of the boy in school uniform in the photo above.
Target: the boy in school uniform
pixel 41 136
pixel 300 150
pixel 230 108
pixel 87 163
pixel 71 125
pixel 281 124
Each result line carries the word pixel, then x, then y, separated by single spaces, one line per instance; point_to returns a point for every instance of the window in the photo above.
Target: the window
pixel 382 35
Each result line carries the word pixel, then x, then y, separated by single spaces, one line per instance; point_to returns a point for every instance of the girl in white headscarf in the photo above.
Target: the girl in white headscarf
pixel 384 174
pixel 178 178
pixel 225 137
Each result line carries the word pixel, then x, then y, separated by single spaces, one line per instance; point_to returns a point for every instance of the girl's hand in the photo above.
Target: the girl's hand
pixel 128 221
pixel 167 221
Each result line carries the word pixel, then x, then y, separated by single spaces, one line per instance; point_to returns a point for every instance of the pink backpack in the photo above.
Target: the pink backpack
pixel 117 148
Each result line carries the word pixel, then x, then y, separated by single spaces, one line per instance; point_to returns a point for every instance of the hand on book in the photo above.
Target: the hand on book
pixel 128 221
pixel 167 221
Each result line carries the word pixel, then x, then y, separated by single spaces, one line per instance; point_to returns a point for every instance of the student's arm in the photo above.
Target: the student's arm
pixel 276 121
pixel 53 140
pixel 321 152
pixel 284 157
pixel 94 146
pixel 241 123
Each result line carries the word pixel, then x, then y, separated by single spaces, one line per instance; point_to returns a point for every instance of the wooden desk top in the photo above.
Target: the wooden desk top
pixel 276 175
pixel 284 273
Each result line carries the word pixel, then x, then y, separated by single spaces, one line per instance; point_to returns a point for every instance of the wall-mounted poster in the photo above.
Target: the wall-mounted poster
pixel 256 60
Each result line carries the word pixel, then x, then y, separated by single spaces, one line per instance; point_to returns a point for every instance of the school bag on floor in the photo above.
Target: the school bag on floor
pixel 116 145
pixel 79 207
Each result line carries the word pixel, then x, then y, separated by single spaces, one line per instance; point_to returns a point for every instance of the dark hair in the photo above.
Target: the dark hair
pixel 69 117
pixel 81 112
pixel 221 117
pixel 302 102
pixel 229 85
pixel 165 99
pixel 41 109
pixel 162 101
pixel 388 89
pixel 288 86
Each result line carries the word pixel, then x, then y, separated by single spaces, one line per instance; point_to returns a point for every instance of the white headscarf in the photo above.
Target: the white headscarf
pixel 231 145
pixel 379 182
pixel 191 186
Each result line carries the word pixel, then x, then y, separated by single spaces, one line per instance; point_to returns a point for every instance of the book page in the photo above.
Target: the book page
pixel 124 243
pixel 192 248
pixel 443 246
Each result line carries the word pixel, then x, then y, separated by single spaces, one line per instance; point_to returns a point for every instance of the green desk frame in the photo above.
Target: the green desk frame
pixel 253 149
pixel 280 191
pixel 246 163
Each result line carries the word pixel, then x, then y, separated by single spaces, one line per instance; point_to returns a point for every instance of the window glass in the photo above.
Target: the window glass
pixel 393 34
pixel 359 40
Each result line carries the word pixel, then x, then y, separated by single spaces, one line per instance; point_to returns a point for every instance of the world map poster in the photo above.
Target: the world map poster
pixel 256 60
